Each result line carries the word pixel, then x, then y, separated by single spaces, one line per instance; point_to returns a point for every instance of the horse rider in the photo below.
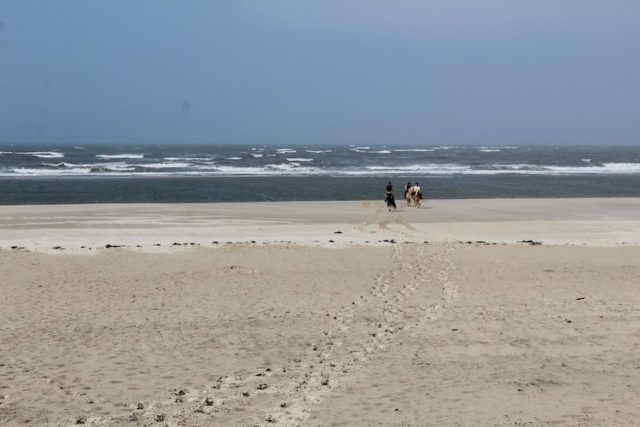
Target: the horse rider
pixel 407 189
pixel 418 193
pixel 388 196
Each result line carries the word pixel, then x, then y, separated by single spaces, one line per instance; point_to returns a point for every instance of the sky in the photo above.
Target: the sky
pixel 320 72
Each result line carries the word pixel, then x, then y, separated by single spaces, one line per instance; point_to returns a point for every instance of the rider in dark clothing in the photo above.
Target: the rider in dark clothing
pixel 388 197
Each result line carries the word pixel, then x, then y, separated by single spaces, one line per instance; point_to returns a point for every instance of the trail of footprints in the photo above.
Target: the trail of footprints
pixel 386 315
pixel 289 394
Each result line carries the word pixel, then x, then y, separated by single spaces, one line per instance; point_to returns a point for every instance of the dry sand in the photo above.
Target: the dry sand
pixel 435 316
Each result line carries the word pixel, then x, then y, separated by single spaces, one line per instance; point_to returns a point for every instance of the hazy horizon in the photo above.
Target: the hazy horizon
pixel 320 73
pixel 397 144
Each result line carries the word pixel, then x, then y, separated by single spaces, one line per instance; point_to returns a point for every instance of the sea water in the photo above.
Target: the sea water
pixel 220 173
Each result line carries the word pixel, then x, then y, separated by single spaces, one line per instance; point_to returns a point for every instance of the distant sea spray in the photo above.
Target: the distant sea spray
pixel 178 160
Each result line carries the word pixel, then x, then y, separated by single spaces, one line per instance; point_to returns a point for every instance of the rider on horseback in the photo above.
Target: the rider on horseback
pixel 407 192
pixel 388 196
pixel 417 192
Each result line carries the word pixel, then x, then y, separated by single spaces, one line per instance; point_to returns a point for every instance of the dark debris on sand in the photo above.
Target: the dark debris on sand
pixel 530 242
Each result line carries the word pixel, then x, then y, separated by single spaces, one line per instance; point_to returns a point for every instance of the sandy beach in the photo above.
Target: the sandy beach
pixel 462 312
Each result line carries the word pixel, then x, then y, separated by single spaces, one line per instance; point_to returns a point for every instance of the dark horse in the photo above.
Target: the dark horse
pixel 390 200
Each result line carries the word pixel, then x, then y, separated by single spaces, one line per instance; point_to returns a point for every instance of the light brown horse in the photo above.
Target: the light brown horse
pixel 412 195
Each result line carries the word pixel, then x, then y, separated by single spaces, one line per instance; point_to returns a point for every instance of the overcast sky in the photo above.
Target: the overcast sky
pixel 320 72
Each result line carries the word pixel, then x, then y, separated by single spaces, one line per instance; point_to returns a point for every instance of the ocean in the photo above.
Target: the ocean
pixel 38 174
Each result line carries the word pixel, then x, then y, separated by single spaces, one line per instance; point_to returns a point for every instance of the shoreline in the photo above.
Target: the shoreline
pixel 630 199
pixel 149 226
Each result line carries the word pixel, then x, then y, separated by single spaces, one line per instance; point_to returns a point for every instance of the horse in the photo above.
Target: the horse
pixel 390 200
pixel 413 196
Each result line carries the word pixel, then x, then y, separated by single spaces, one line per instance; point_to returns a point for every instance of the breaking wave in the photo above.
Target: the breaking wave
pixel 294 167
pixel 40 154
pixel 120 156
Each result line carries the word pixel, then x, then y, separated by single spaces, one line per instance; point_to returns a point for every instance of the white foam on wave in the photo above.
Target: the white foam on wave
pixel 617 168
pixel 46 172
pixel 318 151
pixel 268 170
pixel 40 154
pixel 295 167
pixel 490 150
pixel 586 160
pixel 236 170
pixel 234 158
pixel 496 147
pixel 433 168
pixel 86 172
pixel 417 150
pixel 285 151
pixel 367 150
pixel 522 169
pixel 298 159
pixel 165 165
pixel 120 156
pixel 257 155
pixel 111 166
pixel 219 170
pixel 118 167
pixel 45 154
pixel 292 168
pixel 188 159
pixel 595 169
